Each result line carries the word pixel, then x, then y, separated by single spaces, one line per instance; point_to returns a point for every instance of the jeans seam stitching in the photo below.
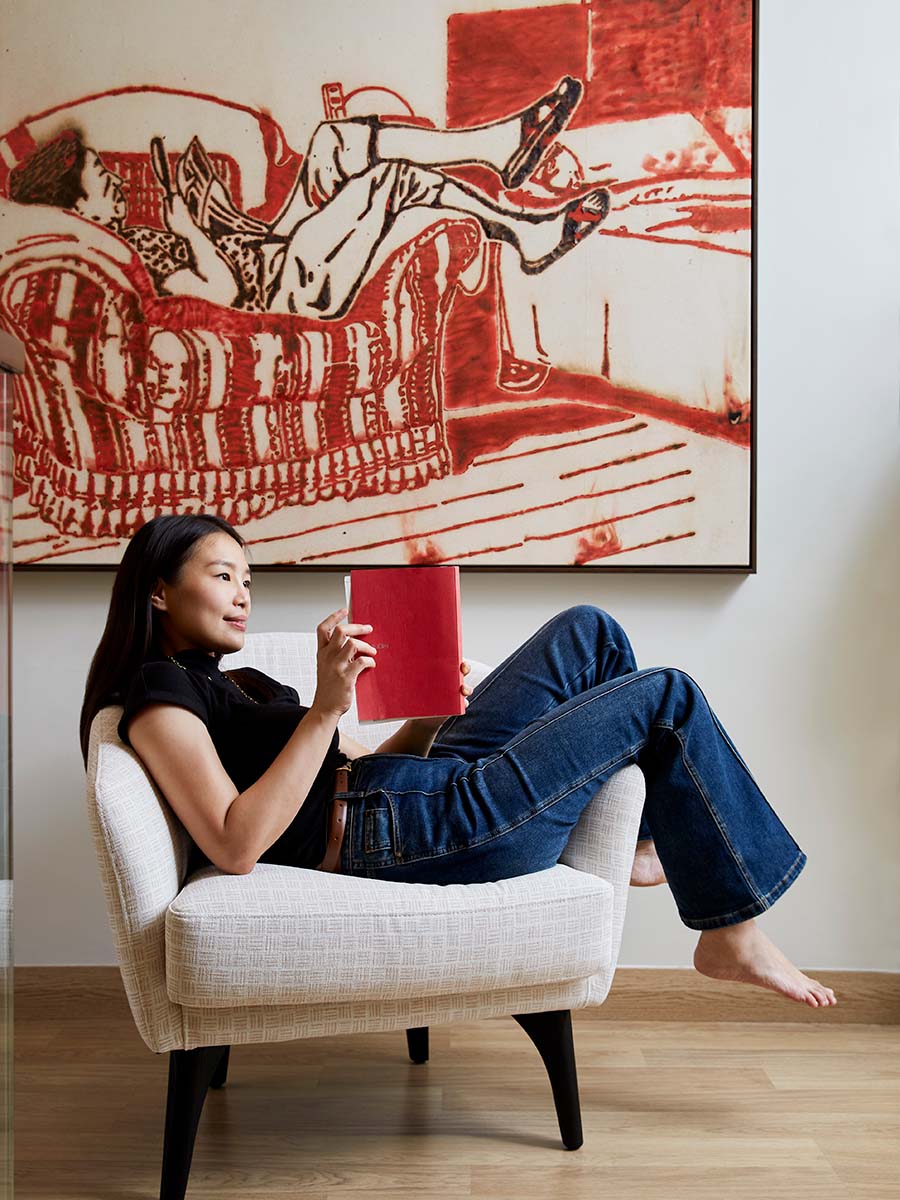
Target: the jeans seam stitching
pixel 491 678
pixel 523 737
pixel 498 833
pixel 735 854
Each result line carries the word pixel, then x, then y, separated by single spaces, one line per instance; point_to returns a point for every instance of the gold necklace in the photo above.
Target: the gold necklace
pixel 224 674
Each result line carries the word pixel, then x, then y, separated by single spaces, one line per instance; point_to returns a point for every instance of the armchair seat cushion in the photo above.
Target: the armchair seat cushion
pixel 282 935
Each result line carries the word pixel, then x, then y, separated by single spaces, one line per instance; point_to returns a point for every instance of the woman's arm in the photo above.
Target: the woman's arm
pixel 234 828
pixel 214 279
pixel 413 737
pixel 231 828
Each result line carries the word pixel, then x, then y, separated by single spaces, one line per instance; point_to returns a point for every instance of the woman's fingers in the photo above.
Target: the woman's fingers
pixel 465 669
pixel 325 628
pixel 355 646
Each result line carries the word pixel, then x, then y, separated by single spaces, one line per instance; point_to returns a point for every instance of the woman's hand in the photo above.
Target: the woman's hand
pixel 177 217
pixel 340 660
pixel 416 735
pixel 464 688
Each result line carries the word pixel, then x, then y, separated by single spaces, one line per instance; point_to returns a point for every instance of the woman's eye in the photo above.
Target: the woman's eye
pixel 223 575
pixel 247 584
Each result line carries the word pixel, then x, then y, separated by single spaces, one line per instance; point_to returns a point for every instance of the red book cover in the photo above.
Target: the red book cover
pixel 417 629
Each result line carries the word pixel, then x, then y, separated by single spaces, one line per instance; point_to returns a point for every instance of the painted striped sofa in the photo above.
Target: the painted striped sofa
pixel 136 404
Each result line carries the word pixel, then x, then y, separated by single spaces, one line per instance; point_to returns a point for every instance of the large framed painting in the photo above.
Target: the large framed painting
pixel 481 292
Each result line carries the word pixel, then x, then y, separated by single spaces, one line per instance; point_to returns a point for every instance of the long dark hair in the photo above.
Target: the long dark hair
pixel 53 173
pixel 157 551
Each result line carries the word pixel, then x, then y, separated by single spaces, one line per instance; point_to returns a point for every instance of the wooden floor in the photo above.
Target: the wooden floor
pixel 674 1110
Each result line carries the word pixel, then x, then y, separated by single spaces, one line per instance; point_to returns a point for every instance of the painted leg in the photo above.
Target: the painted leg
pixel 540 237
pixel 512 147
pixel 523 364
pixel 330 252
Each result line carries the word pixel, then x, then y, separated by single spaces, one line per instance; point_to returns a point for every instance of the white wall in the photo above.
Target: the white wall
pixel 801 661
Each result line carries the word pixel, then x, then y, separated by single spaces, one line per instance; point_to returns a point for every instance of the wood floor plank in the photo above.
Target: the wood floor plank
pixel 671 1110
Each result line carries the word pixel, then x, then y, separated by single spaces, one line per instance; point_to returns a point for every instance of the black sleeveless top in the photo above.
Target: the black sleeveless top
pixel 248 735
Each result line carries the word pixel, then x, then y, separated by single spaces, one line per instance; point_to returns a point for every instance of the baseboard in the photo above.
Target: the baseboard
pixel 664 994
pixel 637 994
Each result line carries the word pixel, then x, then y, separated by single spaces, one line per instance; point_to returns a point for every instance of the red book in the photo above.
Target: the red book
pixel 417 629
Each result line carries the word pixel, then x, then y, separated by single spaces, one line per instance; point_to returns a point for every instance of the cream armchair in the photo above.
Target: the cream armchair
pixel 216 960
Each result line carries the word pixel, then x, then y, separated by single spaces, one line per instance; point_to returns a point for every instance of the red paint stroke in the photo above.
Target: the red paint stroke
pixel 619 462
pixel 471 363
pixel 496 517
pixel 422 553
pixel 484 550
pixel 512 487
pixel 499 62
pixel 629 487
pixel 35 541
pixel 708 218
pixel 655 187
pixel 602 541
pixel 716 130
pixel 468 437
pixel 670 241
pixel 563 445
pixel 659 196
pixel 70 550
pixel 548 537
pixel 637 58
pixel 397 512
pixel 590 389
pixel 672 537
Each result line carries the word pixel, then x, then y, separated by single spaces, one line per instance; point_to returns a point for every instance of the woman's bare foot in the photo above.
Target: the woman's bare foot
pixel 743 954
pixel 647 870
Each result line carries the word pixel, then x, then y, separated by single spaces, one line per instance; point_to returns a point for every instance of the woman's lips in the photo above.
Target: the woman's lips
pixel 240 622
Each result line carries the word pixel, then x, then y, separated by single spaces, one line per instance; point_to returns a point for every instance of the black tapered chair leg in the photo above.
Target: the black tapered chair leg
pixel 551 1032
pixel 190 1074
pixel 220 1075
pixel 417 1042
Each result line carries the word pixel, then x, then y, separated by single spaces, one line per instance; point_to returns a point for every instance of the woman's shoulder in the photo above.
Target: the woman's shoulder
pixel 158 671
pixel 161 681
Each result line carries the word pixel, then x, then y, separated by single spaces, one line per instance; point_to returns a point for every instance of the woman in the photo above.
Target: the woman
pixel 358 175
pixel 487 795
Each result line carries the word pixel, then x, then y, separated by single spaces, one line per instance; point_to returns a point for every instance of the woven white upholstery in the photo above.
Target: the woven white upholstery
pixel 285 953
pixel 262 939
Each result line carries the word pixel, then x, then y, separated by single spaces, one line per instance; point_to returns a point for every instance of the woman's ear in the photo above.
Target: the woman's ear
pixel 158 596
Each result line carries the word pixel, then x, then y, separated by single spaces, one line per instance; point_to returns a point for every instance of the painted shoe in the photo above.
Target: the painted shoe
pixel 582 216
pixel 517 375
pixel 539 132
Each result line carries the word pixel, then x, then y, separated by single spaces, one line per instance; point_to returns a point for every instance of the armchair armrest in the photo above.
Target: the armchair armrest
pixel 603 843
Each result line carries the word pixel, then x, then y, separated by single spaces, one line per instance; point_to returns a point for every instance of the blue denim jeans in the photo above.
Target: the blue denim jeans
pixel 505 783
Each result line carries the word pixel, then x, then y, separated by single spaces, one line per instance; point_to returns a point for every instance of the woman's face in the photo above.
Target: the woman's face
pixel 208 606
pixel 104 201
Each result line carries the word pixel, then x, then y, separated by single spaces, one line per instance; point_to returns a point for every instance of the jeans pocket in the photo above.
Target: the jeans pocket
pixel 378 831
